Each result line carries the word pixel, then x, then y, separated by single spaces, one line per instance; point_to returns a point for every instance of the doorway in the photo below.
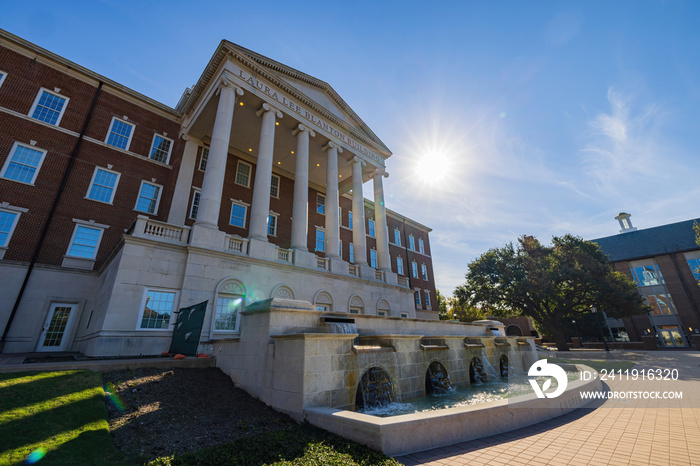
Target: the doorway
pixel 57 324
pixel 671 336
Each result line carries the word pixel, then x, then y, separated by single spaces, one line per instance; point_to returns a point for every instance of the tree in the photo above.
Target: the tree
pixel 549 284
pixel 465 312
pixel 442 306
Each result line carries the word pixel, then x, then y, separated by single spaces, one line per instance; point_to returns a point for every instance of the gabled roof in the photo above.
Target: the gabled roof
pixel 318 95
pixel 656 241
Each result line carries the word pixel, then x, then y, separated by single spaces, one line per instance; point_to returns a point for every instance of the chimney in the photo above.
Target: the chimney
pixel 625 222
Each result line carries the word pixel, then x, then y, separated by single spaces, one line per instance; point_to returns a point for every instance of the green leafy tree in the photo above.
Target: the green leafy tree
pixel 549 284
pixel 465 312
pixel 443 311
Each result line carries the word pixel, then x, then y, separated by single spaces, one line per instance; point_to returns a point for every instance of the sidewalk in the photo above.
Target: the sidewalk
pixel 13 362
pixel 614 432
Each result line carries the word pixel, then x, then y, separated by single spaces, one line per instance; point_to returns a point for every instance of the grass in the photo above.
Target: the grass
pixel 56 417
pixel 299 445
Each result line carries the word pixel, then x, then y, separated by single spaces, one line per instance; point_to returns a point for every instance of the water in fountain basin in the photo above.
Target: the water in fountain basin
pixel 342 327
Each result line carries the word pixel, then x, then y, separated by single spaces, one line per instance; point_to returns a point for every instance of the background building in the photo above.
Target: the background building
pixel 116 210
pixel 664 262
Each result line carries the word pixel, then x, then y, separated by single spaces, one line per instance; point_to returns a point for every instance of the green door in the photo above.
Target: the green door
pixel 188 327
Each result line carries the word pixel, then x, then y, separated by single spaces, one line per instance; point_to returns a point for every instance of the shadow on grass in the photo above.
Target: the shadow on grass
pixel 35 391
pixel 75 452
pixel 299 445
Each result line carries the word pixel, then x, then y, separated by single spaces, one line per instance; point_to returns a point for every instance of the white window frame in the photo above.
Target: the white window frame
pixel 195 192
pixel 84 224
pixel 404 315
pixel 279 181
pixel 340 247
pixel 171 321
pixel 371 228
pixel 250 173
pixel 424 272
pixel 320 203
pixel 245 213
pixel 414 269
pixel 351 252
pixel 276 217
pixel 138 197
pixel 18 211
pixel 397 237
pixel 323 243
pixel 203 160
pixel 373 258
pixel 9 160
pixel 36 103
pixel 350 219
pixel 421 246
pixel 411 242
pixel 170 148
pixel 399 265
pixel 427 299
pixel 131 134
pixel 417 299
pixel 114 190
pixel 3 75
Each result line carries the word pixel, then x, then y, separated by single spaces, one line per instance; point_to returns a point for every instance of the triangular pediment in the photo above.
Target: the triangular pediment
pixel 317 95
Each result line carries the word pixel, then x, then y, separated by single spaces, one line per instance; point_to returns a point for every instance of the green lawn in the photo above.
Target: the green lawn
pixel 56 417
pixel 299 445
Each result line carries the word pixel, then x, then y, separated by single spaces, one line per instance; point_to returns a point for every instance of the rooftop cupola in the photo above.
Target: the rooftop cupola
pixel 625 222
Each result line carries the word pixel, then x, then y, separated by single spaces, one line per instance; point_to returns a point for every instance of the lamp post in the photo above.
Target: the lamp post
pixel 600 327
pixel 573 321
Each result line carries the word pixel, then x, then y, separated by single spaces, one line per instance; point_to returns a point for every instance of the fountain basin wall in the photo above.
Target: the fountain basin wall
pixel 286 356
pixel 409 433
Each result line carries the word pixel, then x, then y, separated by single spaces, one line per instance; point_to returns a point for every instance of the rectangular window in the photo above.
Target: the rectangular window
pixel 404 315
pixel 3 75
pixel 322 307
pixel 414 269
pixel 427 298
pixel 340 247
pixel 227 308
pixel 354 310
pixel 399 266
pixel 411 243
pixel 23 164
pixel 351 249
pixel 8 221
pixel 320 240
pixel 350 219
pixel 397 237
pixel 661 304
pixel 381 313
pixel 157 309
pixel 272 225
pixel 48 107
pixel 421 247
pixel 149 197
pixel 194 208
pixel 275 186
pixel 85 242
pixel 340 216
pixel 694 264
pixel 119 134
pixel 203 160
pixel 103 185
pixel 243 174
pixel 373 258
pixel 416 297
pixel 238 214
pixel 371 230
pixel 321 204
pixel 647 275
pixel 424 272
pixel 160 150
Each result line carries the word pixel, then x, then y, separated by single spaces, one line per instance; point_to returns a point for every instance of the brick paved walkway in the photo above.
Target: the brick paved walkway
pixel 616 432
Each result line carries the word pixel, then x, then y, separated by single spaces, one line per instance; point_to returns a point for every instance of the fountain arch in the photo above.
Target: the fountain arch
pixel 374 389
pixel 477 374
pixel 504 366
pixel 437 379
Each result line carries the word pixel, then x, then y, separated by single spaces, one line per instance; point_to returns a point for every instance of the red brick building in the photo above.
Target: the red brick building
pixel 116 210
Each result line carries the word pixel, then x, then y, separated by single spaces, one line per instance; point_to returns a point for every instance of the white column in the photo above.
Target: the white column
pixel 183 185
pixel 213 184
pixel 300 206
pixel 260 207
pixel 332 221
pixel 358 213
pixel 383 259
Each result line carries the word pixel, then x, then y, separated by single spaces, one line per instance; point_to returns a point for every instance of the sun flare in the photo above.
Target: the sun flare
pixel 433 167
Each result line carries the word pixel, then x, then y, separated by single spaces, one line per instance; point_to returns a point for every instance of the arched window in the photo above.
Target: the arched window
pixel 356 306
pixel 229 303
pixel 383 308
pixel 323 301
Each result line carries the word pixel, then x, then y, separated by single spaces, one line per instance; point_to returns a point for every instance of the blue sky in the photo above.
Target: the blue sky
pixel 546 117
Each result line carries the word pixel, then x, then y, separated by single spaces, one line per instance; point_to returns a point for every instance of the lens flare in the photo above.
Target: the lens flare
pixel 111 395
pixel 35 456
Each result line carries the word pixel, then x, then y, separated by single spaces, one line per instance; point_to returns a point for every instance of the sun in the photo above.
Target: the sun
pixel 433 167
